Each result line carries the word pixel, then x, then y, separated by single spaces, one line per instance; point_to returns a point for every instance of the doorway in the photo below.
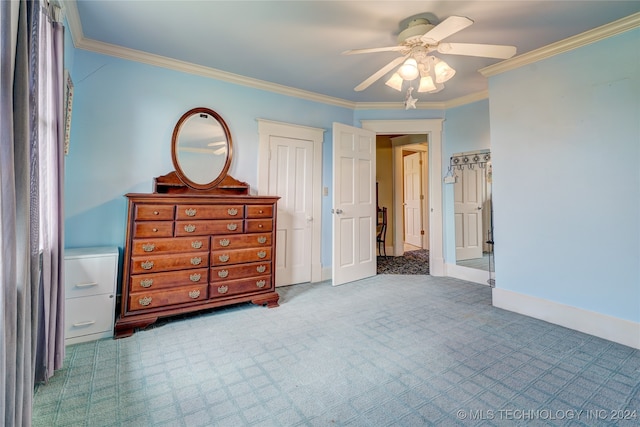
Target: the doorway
pixel 433 129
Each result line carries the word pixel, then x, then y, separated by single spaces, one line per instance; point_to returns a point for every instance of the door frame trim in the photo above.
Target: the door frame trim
pixel 269 128
pixel 432 127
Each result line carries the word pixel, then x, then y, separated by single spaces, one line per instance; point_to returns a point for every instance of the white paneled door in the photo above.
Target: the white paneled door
pixel 468 198
pixel 354 210
pixel 412 200
pixel 290 177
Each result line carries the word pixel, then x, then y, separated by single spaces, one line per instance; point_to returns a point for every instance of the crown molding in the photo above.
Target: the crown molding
pixel 599 33
pixel 186 67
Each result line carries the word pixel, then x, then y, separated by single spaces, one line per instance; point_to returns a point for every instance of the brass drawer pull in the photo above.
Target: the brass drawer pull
pixel 190 228
pixel 196 260
pixel 224 242
pixel 223 289
pixel 190 212
pixel 232 226
pixel 262 254
pixel 147 265
pixel 259 225
pixel 261 268
pixel 232 212
pixel 146 283
pixel 223 273
pixel 224 258
pixel 194 294
pixel 195 277
pixel 156 213
pixel 145 301
pixel 262 240
pixel 148 247
pixel 261 283
pixel 260 211
pixel 196 244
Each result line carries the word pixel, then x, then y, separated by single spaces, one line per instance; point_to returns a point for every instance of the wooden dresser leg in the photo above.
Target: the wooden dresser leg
pixel 270 300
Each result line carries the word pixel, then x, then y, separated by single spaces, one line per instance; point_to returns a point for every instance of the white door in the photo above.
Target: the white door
pixel 354 204
pixel 468 212
pixel 290 172
pixel 412 200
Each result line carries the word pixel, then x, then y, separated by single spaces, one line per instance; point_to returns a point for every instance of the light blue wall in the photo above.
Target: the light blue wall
pixel 123 117
pixel 466 128
pixel 565 138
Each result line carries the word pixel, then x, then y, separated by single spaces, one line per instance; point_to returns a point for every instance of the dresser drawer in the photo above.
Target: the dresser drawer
pixel 89 276
pixel 258 225
pixel 186 212
pixel 259 211
pixel 88 315
pixel 222 226
pixel 157 263
pixel 153 281
pixel 181 244
pixel 237 256
pixel 220 274
pixel 241 241
pixel 147 300
pixel 153 229
pixel 241 286
pixel 153 212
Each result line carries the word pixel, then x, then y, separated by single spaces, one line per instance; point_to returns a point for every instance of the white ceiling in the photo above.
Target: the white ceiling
pixel 298 44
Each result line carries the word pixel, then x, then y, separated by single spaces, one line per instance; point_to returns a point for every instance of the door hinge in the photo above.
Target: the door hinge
pixel 422 197
pixel 422 232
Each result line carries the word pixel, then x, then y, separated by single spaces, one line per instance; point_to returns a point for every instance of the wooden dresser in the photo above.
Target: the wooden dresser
pixel 189 252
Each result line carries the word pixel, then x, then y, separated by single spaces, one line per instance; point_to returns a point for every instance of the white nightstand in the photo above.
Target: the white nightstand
pixel 90 293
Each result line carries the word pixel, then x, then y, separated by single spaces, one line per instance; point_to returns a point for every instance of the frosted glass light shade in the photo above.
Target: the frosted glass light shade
pixel 426 84
pixel 395 82
pixel 443 71
pixel 409 70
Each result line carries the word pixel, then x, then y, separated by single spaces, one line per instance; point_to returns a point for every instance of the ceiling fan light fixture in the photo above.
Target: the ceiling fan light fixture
pixel 426 84
pixel 409 70
pixel 395 82
pixel 442 70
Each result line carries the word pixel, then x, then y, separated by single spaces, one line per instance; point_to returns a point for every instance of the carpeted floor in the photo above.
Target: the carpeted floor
pixel 387 351
pixel 412 262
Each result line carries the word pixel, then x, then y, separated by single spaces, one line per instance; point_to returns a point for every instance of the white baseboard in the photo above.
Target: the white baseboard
pixel 600 325
pixel 469 274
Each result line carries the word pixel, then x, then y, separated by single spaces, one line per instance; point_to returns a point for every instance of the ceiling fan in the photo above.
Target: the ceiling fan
pixel 415 44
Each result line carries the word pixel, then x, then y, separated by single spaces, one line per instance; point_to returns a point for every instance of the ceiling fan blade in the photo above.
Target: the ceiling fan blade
pixel 381 72
pixel 449 26
pixel 373 50
pixel 473 49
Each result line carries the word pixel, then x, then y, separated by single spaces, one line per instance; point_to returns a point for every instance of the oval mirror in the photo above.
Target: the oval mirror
pixel 201 148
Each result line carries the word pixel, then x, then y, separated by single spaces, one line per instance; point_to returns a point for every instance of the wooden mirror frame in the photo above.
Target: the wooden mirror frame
pixel 175 139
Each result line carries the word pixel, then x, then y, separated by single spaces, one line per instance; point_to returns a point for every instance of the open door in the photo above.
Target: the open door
pixel 354 204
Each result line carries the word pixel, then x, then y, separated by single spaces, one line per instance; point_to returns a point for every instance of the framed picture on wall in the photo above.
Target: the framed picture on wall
pixel 68 102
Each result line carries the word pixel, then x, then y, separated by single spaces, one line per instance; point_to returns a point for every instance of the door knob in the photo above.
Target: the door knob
pixel 338 211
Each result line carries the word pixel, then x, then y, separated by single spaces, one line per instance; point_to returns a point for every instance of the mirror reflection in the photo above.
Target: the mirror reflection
pixel 202 148
pixel 472 209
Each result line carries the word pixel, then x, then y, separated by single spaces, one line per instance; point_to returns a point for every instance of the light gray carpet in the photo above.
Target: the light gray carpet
pixel 392 350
